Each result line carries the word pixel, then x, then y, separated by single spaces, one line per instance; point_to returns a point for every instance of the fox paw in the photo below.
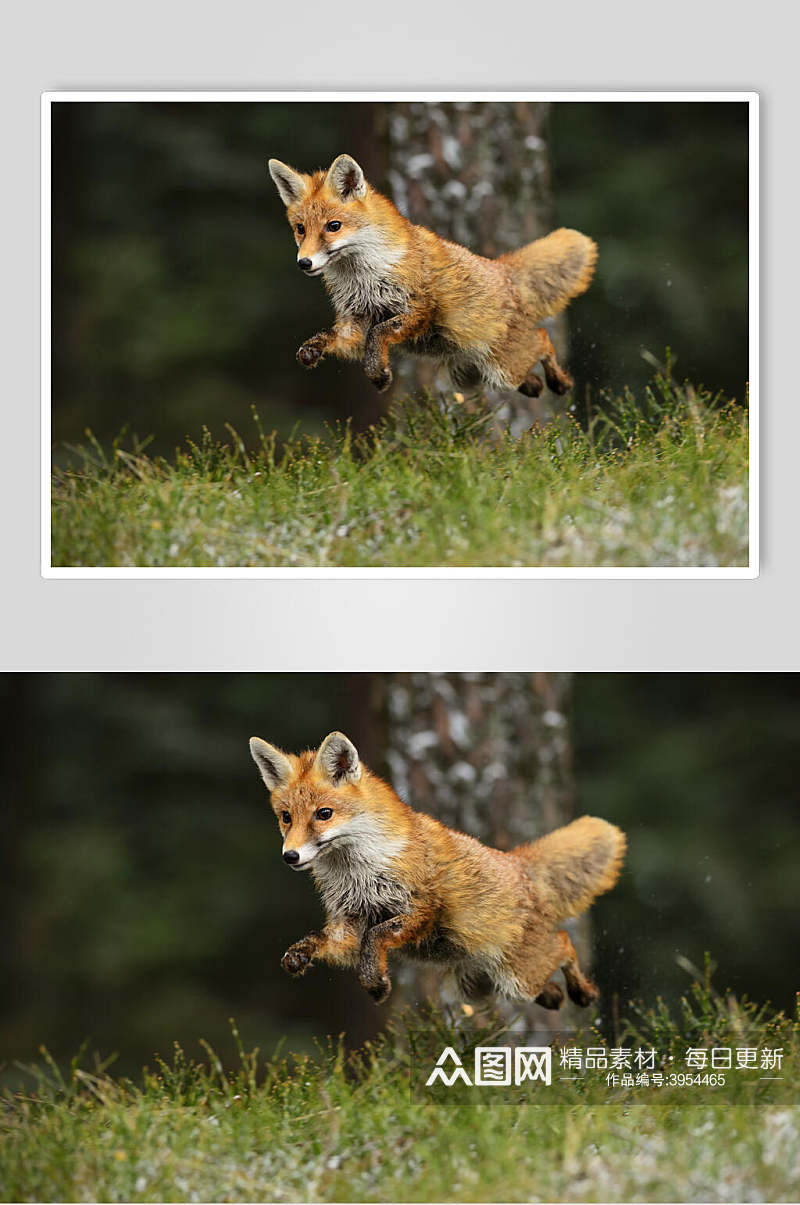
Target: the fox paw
pixel 551 996
pixel 309 354
pixel 383 380
pixel 560 385
pixel 297 959
pixel 583 993
pixel 380 990
pixel 532 386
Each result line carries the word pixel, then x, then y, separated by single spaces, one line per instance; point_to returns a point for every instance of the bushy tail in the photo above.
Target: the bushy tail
pixel 553 270
pixel 575 863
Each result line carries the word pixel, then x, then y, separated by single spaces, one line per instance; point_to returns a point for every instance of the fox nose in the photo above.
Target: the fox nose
pixel 304 263
pixel 291 856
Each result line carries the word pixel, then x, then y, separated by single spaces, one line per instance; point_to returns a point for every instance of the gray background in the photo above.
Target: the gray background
pixel 397 624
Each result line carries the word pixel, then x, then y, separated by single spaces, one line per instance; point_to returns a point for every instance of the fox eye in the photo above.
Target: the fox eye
pixel 324 813
pixel 286 818
pixel 300 228
pixel 332 226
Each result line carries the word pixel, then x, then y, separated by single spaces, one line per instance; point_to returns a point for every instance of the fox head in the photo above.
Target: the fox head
pixel 326 211
pixel 317 797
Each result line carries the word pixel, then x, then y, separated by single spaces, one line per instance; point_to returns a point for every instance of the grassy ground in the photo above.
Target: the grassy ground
pixel 658 480
pixel 349 1129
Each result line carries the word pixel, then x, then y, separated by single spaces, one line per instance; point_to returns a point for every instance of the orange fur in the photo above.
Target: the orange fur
pixel 393 878
pixel 396 284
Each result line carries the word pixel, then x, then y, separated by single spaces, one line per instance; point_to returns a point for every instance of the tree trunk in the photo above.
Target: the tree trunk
pixel 489 754
pixel 477 173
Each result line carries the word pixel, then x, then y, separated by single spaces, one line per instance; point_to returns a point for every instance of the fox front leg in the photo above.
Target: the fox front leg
pixel 298 958
pixel 373 973
pixel 381 337
pixel 345 339
pixel 339 943
pixel 311 352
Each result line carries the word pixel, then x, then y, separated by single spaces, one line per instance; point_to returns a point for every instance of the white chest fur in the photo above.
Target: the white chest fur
pixel 355 876
pixel 359 277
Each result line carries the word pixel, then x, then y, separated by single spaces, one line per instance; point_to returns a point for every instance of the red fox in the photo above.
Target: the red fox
pixel 392 878
pixel 393 283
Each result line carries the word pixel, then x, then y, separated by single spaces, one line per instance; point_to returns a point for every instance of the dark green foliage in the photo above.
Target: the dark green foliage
pixel 663 188
pixel 173 265
pixel 690 769
pixel 145 850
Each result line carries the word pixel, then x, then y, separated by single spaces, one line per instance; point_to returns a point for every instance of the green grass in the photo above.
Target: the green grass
pixel 655 480
pixel 347 1128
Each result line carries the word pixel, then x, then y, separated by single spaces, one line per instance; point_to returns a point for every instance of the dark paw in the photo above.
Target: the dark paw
pixel 380 990
pixel 297 959
pixel 532 386
pixel 310 354
pixel 551 996
pixel 383 380
pixel 560 385
pixel 582 994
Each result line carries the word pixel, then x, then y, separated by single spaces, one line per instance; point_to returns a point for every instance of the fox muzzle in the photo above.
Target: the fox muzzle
pixel 301 859
pixel 314 265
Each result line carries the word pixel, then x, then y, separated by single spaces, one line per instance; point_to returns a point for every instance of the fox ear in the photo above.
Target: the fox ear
pixel 337 759
pixel 275 767
pixel 346 179
pixel 289 183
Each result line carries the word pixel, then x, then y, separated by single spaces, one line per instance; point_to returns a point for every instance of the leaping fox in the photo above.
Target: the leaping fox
pixel 392 878
pixel 396 284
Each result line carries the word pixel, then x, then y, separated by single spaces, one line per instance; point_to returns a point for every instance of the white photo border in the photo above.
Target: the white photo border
pixel 751 570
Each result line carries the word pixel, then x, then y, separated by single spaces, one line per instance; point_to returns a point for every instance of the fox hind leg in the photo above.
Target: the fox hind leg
pixel 579 989
pixel 560 955
pixel 557 380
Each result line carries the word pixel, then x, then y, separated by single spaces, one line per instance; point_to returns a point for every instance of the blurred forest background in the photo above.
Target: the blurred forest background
pixel 177 303
pixel 143 896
